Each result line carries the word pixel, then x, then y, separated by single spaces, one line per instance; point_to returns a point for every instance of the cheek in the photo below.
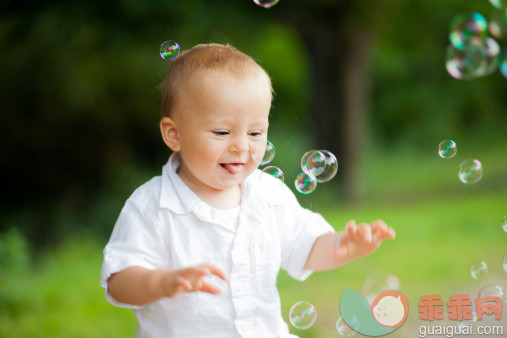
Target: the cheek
pixel 205 149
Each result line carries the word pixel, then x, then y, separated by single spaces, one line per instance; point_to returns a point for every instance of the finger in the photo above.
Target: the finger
pixel 378 225
pixel 351 228
pixel 206 287
pixel 216 271
pixel 184 284
pixel 204 270
pixel 381 235
pixel 364 233
pixel 391 233
pixel 195 272
pixel 198 284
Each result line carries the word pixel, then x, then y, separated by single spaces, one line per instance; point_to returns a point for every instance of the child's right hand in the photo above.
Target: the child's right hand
pixel 190 280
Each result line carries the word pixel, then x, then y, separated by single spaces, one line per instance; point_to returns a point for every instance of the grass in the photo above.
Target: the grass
pixel 442 226
pixel 436 243
pixel 64 297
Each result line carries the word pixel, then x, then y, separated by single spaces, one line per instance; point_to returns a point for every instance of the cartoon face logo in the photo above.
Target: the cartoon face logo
pixel 390 308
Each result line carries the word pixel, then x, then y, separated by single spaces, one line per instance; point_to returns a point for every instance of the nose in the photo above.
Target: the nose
pixel 239 145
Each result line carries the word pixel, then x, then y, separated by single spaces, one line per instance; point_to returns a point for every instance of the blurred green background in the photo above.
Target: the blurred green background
pixel 80 108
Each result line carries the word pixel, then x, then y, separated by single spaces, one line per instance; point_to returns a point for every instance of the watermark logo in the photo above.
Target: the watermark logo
pixel 387 312
pixel 459 307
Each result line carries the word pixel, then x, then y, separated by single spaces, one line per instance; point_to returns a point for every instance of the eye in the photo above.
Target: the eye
pixel 255 133
pixel 221 132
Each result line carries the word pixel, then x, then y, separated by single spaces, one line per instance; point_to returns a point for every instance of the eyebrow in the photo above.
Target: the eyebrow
pixel 229 120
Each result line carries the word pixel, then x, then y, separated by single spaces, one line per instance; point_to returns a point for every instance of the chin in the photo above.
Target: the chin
pixel 225 185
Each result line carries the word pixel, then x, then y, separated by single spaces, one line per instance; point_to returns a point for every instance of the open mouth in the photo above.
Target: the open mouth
pixel 232 168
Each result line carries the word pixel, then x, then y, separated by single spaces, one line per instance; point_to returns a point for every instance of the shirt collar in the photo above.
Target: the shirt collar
pixel 174 193
pixel 176 196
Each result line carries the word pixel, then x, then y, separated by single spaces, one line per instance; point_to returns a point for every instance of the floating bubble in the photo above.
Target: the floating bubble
pixel 467 322
pixel 500 4
pixel 504 223
pixel 268 155
pixel 492 53
pixel 492 291
pixel 169 50
pixel 498 24
pixel 478 270
pixel 305 183
pixel 266 3
pixel 343 329
pixel 503 63
pixel 504 263
pixel 447 149
pixel 302 315
pixel 470 171
pixel 393 282
pixel 372 287
pixel 313 162
pixel 330 169
pixel 466 26
pixel 479 58
pixel 274 171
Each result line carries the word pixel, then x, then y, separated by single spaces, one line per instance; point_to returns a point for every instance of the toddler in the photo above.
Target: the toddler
pixel 196 251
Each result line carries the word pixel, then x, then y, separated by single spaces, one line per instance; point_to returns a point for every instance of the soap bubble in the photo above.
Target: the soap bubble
pixel 322 164
pixel 491 52
pixel 470 171
pixel 467 322
pixel 266 3
pixel 268 155
pixel 169 50
pixel 466 26
pixel 504 263
pixel 478 270
pixel 372 287
pixel 305 183
pixel 498 24
pixel 330 169
pixel 500 4
pixel 274 171
pixel 503 63
pixel 343 329
pixel 504 223
pixel 302 315
pixel 393 282
pixel 447 149
pixel 313 162
pixel 479 58
pixel 492 291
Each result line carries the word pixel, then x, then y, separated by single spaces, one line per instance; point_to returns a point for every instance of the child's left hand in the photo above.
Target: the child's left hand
pixel 357 241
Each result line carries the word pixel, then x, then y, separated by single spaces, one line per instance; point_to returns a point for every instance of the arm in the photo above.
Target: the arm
pixel 333 250
pixel 140 286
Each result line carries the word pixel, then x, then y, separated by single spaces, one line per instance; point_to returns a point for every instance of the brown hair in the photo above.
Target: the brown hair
pixel 213 56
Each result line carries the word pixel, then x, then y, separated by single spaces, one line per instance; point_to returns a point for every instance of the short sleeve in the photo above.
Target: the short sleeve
pixel 299 228
pixel 135 241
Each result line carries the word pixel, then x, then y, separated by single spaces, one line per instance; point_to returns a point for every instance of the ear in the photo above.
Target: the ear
pixel 170 134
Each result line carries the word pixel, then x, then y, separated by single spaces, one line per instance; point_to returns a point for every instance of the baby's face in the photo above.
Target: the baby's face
pixel 224 120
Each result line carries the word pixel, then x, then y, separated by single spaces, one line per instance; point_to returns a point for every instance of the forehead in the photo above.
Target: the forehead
pixel 254 76
pixel 213 92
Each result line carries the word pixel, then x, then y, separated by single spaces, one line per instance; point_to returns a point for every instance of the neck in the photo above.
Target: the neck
pixel 216 198
pixel 221 199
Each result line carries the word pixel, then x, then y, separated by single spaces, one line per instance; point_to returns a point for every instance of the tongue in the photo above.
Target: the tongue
pixel 233 168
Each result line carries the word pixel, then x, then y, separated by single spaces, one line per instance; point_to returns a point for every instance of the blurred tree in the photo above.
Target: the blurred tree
pixel 79 100
pixel 340 36
pixel 79 95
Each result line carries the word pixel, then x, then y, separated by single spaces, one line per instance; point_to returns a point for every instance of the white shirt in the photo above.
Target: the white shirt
pixel 165 225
